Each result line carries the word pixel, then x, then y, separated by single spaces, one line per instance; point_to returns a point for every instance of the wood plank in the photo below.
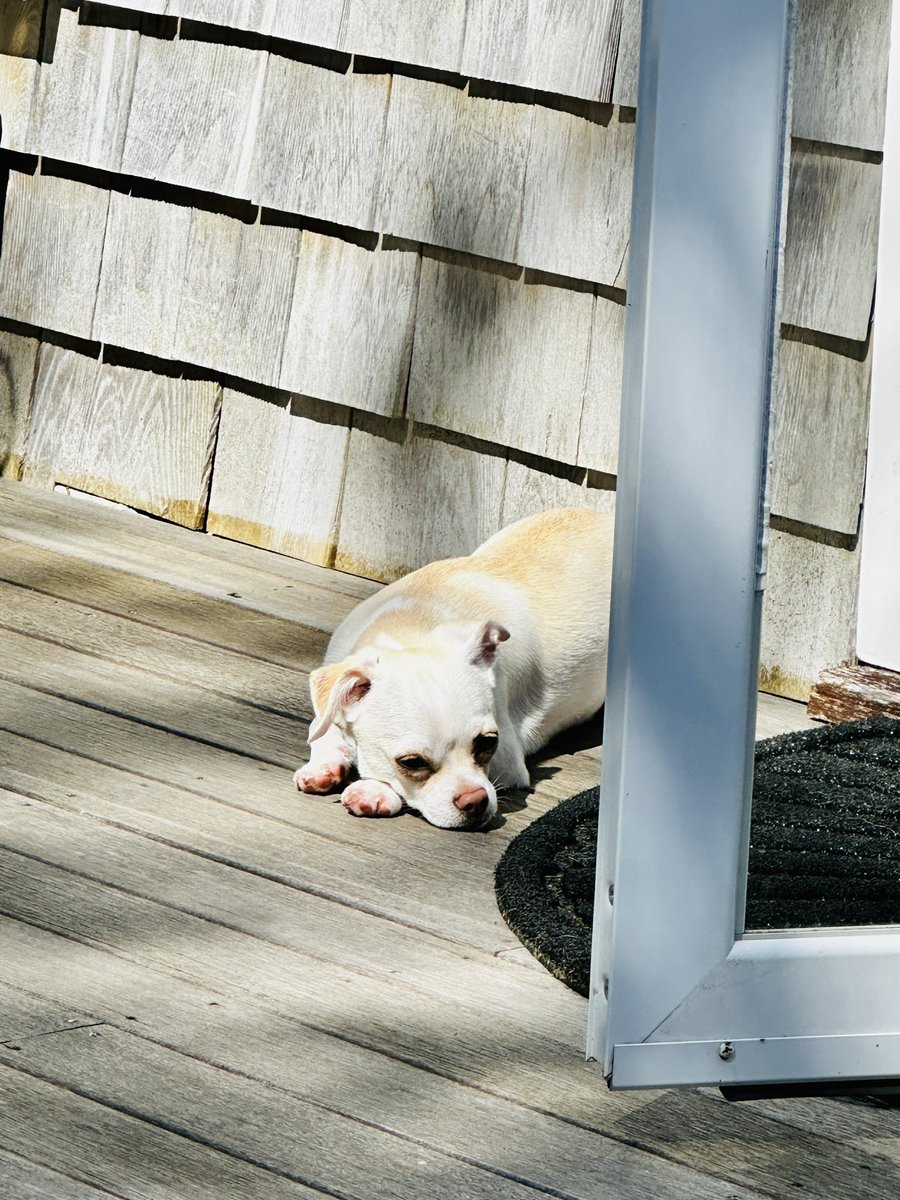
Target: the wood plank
pixel 236 295
pixel 651 1120
pixel 319 141
pixel 193 114
pixel 278 474
pixel 386 528
pixel 454 168
pixel 83 95
pixel 831 243
pixel 598 435
pixel 408 31
pixel 776 715
pixel 314 21
pixel 243 577
pixel 577 205
pixel 95 1144
pixel 490 352
pixel 18 79
pixel 569 49
pixel 848 693
pixel 144 262
pixel 509 1137
pixel 22 28
pixel 840 72
pixel 237 676
pixel 50 258
pixel 24 1180
pixel 355 348
pixel 820 427
pixel 134 437
pixel 155 700
pixel 809 613
pixel 528 490
pixel 625 83
pixel 18 363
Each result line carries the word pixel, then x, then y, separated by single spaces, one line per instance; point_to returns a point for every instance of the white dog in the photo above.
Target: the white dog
pixel 438 686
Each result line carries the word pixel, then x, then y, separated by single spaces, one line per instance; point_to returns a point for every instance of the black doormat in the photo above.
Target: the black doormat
pixel 824 847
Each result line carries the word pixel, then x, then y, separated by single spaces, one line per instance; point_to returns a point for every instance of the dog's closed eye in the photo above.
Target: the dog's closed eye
pixel 484 748
pixel 414 765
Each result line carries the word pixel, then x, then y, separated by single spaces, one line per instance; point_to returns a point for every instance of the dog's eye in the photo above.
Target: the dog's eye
pixel 415 765
pixel 484 747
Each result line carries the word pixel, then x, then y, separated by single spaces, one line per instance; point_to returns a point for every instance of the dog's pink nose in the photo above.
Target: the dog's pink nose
pixel 472 803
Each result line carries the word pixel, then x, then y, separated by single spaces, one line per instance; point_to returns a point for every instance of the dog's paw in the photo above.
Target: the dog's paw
pixel 371 798
pixel 318 778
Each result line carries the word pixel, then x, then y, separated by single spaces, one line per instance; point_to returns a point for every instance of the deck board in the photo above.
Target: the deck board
pixel 219 987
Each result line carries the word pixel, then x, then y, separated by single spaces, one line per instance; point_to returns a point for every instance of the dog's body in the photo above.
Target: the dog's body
pixel 419 693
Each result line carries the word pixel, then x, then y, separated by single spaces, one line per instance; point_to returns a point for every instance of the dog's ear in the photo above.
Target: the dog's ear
pixel 335 688
pixel 479 639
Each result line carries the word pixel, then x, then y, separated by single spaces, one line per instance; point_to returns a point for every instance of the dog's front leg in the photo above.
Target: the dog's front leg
pixel 509 769
pixel 371 798
pixel 330 760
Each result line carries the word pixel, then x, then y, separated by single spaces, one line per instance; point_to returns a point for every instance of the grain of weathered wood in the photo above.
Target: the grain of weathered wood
pixel 500 359
pixel 562 48
pixel 237 576
pixel 831 243
pixel 193 112
pixel 277 475
pixel 848 693
pixel 454 168
pixel 236 295
pixel 18 78
pixel 577 201
pixel 809 613
pixel 22 28
pixel 314 21
pixel 82 97
pixel 350 331
pixel 50 259
pixel 428 33
pixel 625 84
pixel 95 1144
pixel 24 1180
pixel 319 142
pixel 144 260
pixel 528 491
pixel 406 503
pixel 818 450
pixel 126 434
pixel 598 435
pixel 840 72
pixel 18 362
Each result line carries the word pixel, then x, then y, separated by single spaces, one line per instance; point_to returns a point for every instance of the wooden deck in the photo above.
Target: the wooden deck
pixel 215 988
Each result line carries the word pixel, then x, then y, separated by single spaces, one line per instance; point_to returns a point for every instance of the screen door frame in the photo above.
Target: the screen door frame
pixel 680 993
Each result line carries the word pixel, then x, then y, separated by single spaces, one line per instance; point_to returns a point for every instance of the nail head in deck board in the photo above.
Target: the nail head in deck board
pixel 454 169
pixel 193 112
pixel 428 33
pixel 840 71
pixel 52 245
pixel 144 263
pixel 129 435
pixel 277 476
pixel 319 141
pixel 406 504
pixel 82 96
pixel 18 359
pixel 236 295
pixel 554 47
pixel 499 359
pixel 577 206
pixel 820 424
pixel 350 333
pixel 809 613
pixel 831 244
pixel 598 436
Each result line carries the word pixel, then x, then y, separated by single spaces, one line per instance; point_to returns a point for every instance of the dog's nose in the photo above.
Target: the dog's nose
pixel 472 803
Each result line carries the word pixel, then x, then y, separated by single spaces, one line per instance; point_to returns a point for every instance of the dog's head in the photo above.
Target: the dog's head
pixel 421 716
